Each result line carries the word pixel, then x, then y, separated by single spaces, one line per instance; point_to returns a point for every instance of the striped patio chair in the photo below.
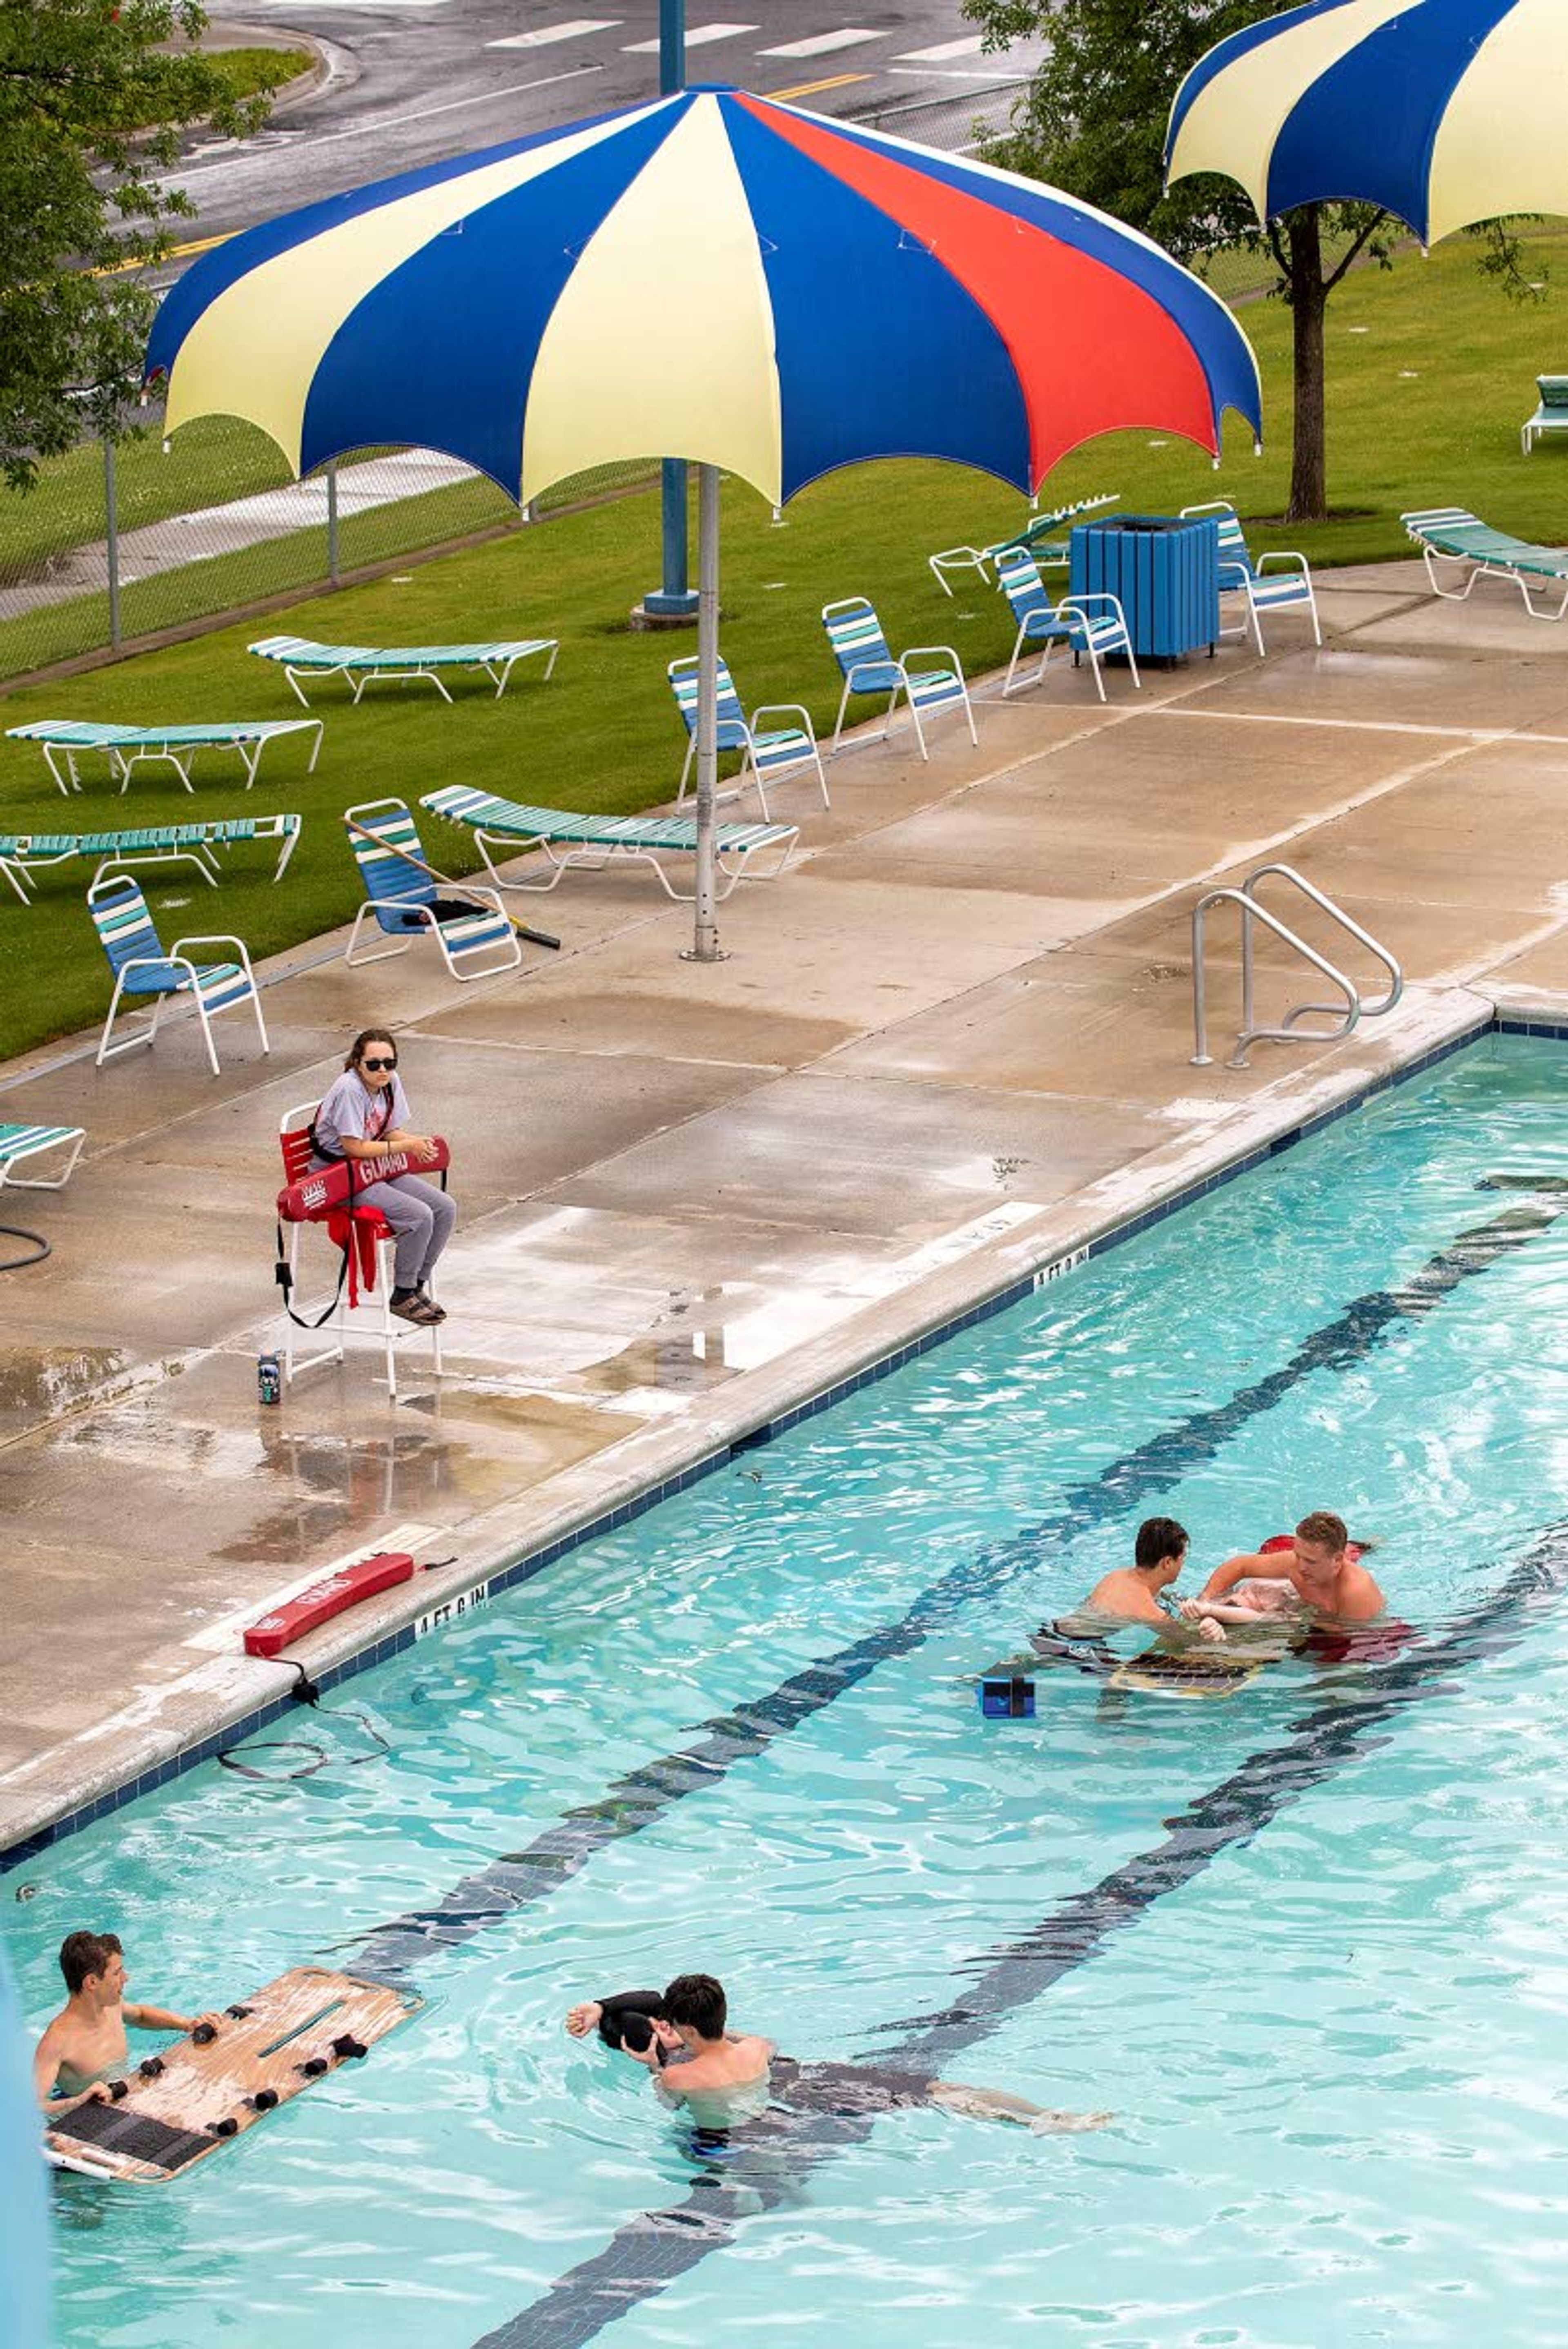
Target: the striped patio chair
pixel 141 968
pixel 1094 624
pixel 766 753
pixel 24 854
pixel 364 665
pixel 1037 537
pixel 858 645
pixel 1279 590
pixel 476 940
pixel 567 840
pixel 22 1144
pixel 1453 535
pixel 65 740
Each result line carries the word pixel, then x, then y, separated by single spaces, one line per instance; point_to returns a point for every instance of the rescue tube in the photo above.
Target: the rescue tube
pixel 330 1597
pixel 325 1187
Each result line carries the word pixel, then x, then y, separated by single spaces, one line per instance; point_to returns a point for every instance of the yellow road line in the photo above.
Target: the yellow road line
pixel 175 252
pixel 812 88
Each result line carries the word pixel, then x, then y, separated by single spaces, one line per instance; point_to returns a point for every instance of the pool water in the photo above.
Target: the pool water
pixel 1331 2044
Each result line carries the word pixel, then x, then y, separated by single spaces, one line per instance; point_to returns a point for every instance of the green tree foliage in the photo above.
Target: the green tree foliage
pixel 92 106
pixel 1094 122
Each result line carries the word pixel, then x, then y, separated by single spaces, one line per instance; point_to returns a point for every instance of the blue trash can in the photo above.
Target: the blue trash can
pixel 1164 571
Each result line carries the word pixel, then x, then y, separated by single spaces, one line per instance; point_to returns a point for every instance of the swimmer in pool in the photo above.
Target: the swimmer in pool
pixel 1330 1583
pixel 84 2045
pixel 1131 1594
pixel 687 2026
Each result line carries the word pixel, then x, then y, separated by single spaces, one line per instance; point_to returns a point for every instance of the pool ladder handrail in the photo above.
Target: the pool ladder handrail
pixel 1356 1009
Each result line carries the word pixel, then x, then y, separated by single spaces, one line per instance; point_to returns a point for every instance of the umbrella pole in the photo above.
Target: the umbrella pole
pixel 704 946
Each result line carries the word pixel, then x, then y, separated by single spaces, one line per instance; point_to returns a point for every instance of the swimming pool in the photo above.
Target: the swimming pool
pixel 1306 1941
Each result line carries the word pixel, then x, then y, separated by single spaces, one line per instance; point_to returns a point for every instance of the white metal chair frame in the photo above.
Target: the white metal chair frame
pixel 1242 578
pixel 388 1332
pixel 507 953
pixel 178 957
pixel 909 678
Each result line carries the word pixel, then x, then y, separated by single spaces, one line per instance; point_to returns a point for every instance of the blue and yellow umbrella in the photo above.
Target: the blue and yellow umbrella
pixel 713 276
pixel 1444 112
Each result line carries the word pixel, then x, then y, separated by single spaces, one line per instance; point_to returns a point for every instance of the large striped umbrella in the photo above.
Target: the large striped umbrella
pixel 1442 111
pixel 713 276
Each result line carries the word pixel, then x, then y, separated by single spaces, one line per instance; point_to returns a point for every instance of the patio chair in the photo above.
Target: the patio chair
pixel 766 753
pixel 365 664
pixel 594 841
pixel 19 1145
pixel 1551 413
pixel 1265 591
pixel 361 1231
pixel 477 940
pixel 1450 535
pixel 23 854
pixel 141 968
pixel 855 636
pixel 1094 624
pixel 128 746
pixel 1034 538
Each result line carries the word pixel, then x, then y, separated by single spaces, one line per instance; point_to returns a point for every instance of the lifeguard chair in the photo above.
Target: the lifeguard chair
pixel 365 1226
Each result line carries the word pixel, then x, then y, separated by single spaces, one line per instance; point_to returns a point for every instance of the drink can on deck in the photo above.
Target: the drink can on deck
pixel 269 1378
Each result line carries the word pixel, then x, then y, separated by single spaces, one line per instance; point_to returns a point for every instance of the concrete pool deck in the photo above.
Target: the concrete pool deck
pixel 949 1046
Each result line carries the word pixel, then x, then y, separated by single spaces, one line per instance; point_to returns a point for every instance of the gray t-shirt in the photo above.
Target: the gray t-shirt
pixel 351 1108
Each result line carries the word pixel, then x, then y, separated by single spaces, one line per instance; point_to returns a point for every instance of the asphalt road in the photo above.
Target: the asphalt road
pixel 415 80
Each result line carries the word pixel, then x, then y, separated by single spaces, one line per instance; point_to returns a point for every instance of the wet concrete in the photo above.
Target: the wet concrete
pixel 950 1044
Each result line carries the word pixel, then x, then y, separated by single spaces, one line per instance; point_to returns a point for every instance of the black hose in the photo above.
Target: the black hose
pixel 16 1232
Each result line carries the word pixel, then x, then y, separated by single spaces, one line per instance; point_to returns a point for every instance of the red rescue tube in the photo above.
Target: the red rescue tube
pixel 318 1192
pixel 325 1598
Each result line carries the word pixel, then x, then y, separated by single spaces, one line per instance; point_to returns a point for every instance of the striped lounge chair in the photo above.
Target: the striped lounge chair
pixel 1034 538
pixel 141 968
pixel 1094 624
pixel 1283 589
pixel 594 841
pixel 23 854
pixel 20 1144
pixel 401 899
pixel 766 753
pixel 1551 413
pixel 365 664
pixel 1449 534
pixel 64 740
pixel 856 637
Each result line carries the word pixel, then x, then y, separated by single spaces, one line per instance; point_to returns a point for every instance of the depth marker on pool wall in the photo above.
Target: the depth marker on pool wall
pixel 519 1880
pixel 655 2249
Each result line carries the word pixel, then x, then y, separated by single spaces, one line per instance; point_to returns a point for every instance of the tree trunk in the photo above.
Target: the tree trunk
pixel 1308 297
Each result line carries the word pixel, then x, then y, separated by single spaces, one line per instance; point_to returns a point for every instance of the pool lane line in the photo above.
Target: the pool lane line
pixel 639 1800
pixel 658 2246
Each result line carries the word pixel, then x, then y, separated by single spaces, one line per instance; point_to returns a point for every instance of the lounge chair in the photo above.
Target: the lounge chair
pixel 1550 415
pixel 476 940
pixel 365 664
pixel 21 1143
pixel 127 746
pixel 363 1224
pixel 1449 534
pixel 1094 624
pixel 1282 589
pixel 766 753
pixel 1033 538
pixel 858 645
pixel 141 967
pixel 25 854
pixel 592 841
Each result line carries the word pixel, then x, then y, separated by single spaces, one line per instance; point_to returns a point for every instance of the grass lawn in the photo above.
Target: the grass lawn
pixel 1432 371
pixel 248 70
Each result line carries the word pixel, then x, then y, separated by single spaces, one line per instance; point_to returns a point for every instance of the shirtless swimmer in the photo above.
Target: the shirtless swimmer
pixel 86 2045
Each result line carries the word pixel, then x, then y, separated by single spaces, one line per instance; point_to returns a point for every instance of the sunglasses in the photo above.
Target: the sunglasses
pixel 378 1064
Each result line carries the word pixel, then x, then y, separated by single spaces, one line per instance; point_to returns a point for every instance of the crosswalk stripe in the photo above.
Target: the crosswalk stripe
pixel 847 36
pixel 697 36
pixel 943 51
pixel 542 38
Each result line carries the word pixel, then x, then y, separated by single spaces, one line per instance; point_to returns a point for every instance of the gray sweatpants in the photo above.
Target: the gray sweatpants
pixel 423 1216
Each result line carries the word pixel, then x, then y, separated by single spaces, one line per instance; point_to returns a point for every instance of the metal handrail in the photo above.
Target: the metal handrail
pixel 1245 899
